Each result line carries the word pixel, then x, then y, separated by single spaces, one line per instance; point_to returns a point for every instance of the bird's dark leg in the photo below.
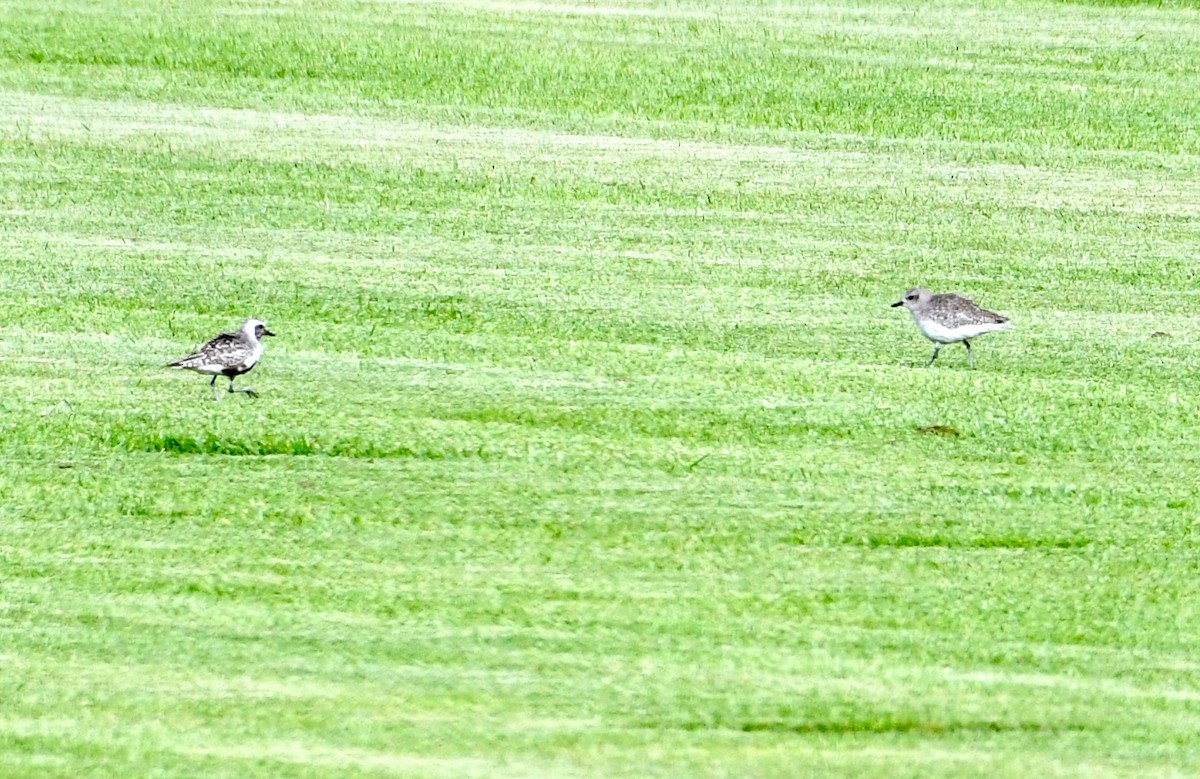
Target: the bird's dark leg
pixel 936 348
pixel 970 354
pixel 249 392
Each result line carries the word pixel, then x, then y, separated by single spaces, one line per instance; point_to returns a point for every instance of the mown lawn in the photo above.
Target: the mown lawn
pixel 589 445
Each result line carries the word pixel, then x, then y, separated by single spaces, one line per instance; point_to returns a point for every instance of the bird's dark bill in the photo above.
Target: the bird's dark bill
pixel 268 332
pixel 898 303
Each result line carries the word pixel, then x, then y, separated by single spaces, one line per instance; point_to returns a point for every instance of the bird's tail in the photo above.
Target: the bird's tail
pixel 183 362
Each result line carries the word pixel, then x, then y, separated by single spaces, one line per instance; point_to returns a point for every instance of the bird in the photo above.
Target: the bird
pixel 229 354
pixel 949 318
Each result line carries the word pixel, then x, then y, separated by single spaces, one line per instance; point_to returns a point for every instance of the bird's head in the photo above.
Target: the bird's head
pixel 917 296
pixel 256 328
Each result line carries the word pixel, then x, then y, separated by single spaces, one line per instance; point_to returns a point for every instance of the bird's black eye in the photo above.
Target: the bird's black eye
pixel 911 297
pixel 258 331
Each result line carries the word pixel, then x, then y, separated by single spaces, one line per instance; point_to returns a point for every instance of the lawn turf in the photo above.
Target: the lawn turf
pixel 589 446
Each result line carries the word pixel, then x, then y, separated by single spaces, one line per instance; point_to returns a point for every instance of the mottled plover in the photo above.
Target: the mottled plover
pixel 229 354
pixel 949 318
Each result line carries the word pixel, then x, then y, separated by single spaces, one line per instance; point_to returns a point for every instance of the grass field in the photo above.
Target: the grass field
pixel 588 445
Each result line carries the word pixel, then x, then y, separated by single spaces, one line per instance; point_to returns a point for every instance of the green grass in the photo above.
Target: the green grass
pixel 589 446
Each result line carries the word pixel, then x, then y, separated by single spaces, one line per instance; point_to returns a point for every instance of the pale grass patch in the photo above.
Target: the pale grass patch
pixel 333 757
pixel 1094 686
pixel 697 166
pixel 982 760
pixel 642 9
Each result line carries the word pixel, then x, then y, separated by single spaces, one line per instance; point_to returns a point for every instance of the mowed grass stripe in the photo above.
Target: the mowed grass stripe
pixel 711 168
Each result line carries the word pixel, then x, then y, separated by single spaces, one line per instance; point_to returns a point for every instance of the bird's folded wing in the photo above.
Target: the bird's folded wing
pixel 225 349
pixel 967 313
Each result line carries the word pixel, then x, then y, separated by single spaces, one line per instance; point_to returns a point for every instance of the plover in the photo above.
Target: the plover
pixel 950 318
pixel 229 354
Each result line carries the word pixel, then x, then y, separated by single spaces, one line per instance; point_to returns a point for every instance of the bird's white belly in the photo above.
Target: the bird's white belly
pixel 252 360
pixel 950 335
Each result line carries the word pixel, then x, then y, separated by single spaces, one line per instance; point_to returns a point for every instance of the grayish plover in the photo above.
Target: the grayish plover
pixel 229 354
pixel 950 318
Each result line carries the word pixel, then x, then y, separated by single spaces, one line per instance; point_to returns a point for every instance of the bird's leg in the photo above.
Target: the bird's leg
pixel 215 391
pixel 249 392
pixel 970 354
pixel 936 348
